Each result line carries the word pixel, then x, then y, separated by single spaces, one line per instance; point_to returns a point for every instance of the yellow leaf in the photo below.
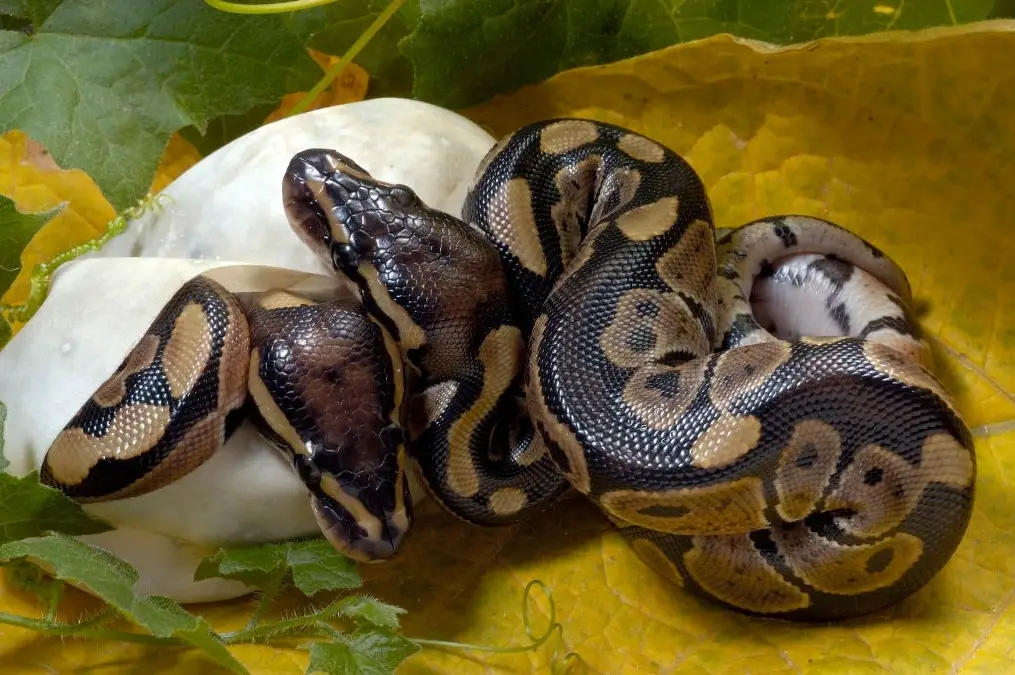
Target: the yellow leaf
pixel 907 141
pixel 30 177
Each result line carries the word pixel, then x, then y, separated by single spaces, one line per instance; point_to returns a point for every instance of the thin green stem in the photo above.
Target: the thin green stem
pixel 268 8
pixel 281 627
pixel 86 630
pixel 347 58
pixel 268 595
pixel 571 658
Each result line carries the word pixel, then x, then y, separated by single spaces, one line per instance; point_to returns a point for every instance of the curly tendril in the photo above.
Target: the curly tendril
pixel 567 664
pixel 41 275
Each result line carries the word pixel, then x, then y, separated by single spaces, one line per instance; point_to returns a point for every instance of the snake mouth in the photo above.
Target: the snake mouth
pixel 364 537
pixel 301 188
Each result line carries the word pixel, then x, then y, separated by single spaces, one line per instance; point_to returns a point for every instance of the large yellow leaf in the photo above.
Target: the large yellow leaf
pixel 906 141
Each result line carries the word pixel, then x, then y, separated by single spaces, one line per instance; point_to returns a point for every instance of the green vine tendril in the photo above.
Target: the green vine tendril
pixel 267 8
pixel 559 666
pixel 297 5
pixel 314 624
pixel 41 275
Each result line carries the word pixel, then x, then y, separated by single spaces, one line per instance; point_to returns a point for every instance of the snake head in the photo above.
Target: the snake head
pixel 327 389
pixel 366 515
pixel 339 210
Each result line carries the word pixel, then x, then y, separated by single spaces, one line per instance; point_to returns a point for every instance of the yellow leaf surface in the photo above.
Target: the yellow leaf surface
pixel 907 142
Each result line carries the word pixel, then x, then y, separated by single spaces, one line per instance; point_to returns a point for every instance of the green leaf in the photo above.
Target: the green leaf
pixel 368 651
pixel 257 565
pixel 226 128
pixel 113 580
pixel 5 332
pixel 314 566
pixel 35 11
pixel 29 509
pixel 333 28
pixel 16 231
pixel 464 52
pixel 365 609
pixel 3 424
pixel 103 85
pixel 317 566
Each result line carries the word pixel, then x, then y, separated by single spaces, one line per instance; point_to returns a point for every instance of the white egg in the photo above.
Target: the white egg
pixel 224 218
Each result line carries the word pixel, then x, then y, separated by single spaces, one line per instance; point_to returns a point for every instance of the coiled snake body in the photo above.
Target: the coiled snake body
pixel 581 326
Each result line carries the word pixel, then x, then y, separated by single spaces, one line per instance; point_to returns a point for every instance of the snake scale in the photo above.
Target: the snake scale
pixel 582 325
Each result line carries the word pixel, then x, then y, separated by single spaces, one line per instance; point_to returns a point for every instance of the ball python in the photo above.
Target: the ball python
pixel 582 326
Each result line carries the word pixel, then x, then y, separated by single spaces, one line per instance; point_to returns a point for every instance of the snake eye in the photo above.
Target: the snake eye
pixel 344 257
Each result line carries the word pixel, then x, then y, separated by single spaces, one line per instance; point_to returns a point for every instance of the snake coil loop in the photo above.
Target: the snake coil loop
pixel 750 408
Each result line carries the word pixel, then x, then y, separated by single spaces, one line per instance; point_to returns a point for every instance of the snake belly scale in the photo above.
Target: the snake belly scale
pixel 583 325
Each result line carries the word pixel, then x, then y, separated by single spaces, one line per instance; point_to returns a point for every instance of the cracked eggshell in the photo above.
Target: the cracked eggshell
pixel 229 205
pixel 224 218
pixel 96 312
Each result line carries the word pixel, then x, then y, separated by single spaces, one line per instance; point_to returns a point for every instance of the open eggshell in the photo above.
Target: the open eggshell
pixel 247 492
pixel 229 205
pixel 222 217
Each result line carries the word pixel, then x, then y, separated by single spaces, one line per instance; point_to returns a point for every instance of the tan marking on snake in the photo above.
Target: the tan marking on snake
pixel 647 326
pixel 574 183
pixel 622 182
pixel 893 364
pixel 400 515
pixel 411 336
pixel 805 468
pixel 577 470
pixel 114 390
pixel 733 570
pixel 235 358
pixel 397 370
pixel 640 148
pixel 944 460
pixel 136 429
pixel 512 223
pixel 882 488
pixel 832 567
pixel 657 559
pixel 820 340
pixel 188 349
pixel 566 135
pixel 726 440
pixel 880 506
pixel 199 443
pixel 690 264
pixel 745 369
pixel 650 220
pixel 507 501
pixel 280 299
pixel 270 410
pixel 534 452
pixel 430 404
pixel 501 355
pixel 492 154
pixel 724 508
pixel 370 523
pixel 583 254
pixel 660 395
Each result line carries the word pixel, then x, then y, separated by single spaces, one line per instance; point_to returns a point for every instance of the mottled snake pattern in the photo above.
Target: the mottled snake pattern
pixel 752 408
